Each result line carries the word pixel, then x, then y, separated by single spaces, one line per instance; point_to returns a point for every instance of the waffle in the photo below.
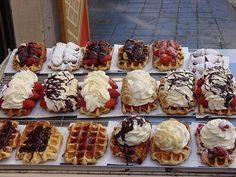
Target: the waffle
pixel 9 138
pixel 170 158
pixel 17 112
pixel 96 113
pixel 228 112
pixel 129 65
pixel 36 66
pixel 40 142
pixel 126 100
pixel 86 143
pixel 140 150
pixel 213 161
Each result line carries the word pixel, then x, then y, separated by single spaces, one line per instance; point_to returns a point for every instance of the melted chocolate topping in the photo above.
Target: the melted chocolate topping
pixel 37 140
pixel 22 54
pixel 5 132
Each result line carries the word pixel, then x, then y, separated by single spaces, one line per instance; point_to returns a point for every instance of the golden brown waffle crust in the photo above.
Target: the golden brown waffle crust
pixel 124 64
pixel 202 151
pixel 170 158
pixel 162 94
pixel 172 65
pixel 126 101
pixel 96 113
pixel 50 153
pixel 226 112
pixel 13 141
pixel 34 67
pixel 70 147
pixel 17 112
pixel 61 111
pixel 139 156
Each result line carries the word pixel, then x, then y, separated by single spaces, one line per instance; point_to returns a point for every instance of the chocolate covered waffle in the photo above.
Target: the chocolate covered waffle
pixel 39 142
pixel 97 94
pixel 130 139
pixel 86 143
pixel 170 143
pixel 9 138
pixel 176 92
pixel 30 56
pixel 19 96
pixel 215 92
pixel 60 93
pixel 167 55
pixel 66 57
pixel 216 143
pixel 133 55
pixel 139 92
pixel 98 55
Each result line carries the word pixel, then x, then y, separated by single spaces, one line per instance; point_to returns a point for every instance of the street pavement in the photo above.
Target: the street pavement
pixel 194 23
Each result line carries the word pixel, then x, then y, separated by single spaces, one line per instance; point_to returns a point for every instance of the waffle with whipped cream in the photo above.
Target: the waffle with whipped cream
pixel 86 143
pixel 39 142
pixel 66 57
pixel 30 56
pixel 176 92
pixel 170 143
pixel 20 95
pixel 9 138
pixel 133 55
pixel 202 59
pixel 98 55
pixel 130 139
pixel 97 94
pixel 167 55
pixel 216 142
pixel 215 92
pixel 139 92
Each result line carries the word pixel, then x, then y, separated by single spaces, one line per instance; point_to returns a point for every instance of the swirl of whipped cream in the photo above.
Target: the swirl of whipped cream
pixel 218 132
pixel 179 85
pixel 18 89
pixel 133 131
pixel 95 90
pixel 171 135
pixel 143 88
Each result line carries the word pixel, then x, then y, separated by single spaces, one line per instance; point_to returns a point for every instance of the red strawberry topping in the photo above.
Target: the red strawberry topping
pixel 233 102
pixel 35 96
pixel 165 59
pixel 43 104
pixel 111 103
pixel 223 125
pixel 200 82
pixel 106 58
pixel 28 104
pixel 81 102
pixel 200 126
pixel 113 84
pixel 220 152
pixel 202 101
pixel 38 86
pixel 113 93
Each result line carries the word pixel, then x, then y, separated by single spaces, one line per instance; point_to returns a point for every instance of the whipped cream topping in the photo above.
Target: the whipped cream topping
pixel 133 131
pixel 218 132
pixel 18 89
pixel 179 85
pixel 142 87
pixel 66 56
pixel 203 59
pixel 219 87
pixel 171 135
pixel 61 92
pixel 95 90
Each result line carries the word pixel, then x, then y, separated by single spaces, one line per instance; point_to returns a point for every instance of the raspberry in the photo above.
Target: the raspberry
pixel 220 152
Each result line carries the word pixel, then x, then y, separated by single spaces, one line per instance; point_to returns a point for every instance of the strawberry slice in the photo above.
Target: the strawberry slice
pixel 28 104
pixel 220 152
pixel 198 91
pixel 165 59
pixel 43 104
pixel 29 62
pixel 113 84
pixel 156 53
pixel 200 82
pixel 233 102
pixel 90 61
pixel 38 86
pixel 35 96
pixel 42 92
pixel 113 93
pixel 106 58
pixel 81 102
pixel 202 101
pixel 111 103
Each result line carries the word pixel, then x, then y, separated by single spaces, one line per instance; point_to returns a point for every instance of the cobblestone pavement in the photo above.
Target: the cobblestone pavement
pixel 194 23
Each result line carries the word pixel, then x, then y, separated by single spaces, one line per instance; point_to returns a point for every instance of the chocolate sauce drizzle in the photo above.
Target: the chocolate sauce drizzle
pixel 54 87
pixel 135 50
pixel 37 140
pixel 5 133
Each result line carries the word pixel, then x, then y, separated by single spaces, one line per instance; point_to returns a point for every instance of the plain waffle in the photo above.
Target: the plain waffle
pixel 9 138
pixel 40 142
pixel 86 143
pixel 17 112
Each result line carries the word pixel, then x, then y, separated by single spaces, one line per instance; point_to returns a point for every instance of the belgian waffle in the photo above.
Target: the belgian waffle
pixel 86 143
pixel 40 142
pixel 228 112
pixel 94 67
pixel 9 138
pixel 168 157
pixel 17 112
pixel 97 112
pixel 34 67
